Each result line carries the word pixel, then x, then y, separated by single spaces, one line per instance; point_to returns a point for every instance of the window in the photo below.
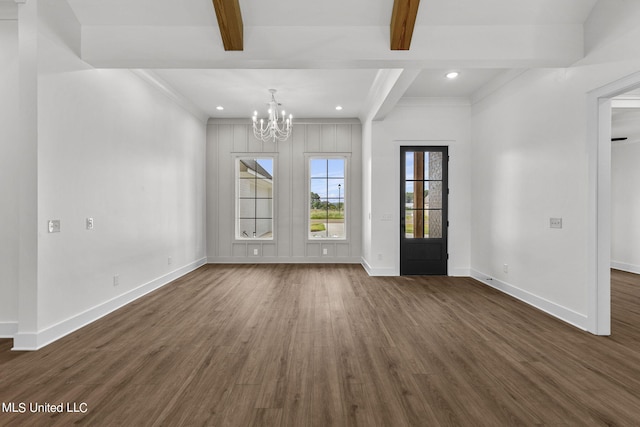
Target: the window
pixel 254 198
pixel 327 197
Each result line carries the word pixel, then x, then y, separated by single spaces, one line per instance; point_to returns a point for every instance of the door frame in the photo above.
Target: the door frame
pixel 396 184
pixel 599 217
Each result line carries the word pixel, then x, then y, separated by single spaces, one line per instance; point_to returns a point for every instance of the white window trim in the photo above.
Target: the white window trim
pixel 236 202
pixel 347 200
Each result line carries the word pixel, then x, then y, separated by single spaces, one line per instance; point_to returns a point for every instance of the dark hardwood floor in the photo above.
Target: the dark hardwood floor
pixel 322 345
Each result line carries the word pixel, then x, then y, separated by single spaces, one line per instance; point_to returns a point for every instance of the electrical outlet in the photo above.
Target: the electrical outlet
pixel 169 261
pixel 505 268
pixel 89 223
pixel 255 251
pixel 116 280
pixel 324 251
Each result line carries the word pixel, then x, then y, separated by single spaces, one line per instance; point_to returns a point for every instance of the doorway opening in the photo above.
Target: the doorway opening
pixel 599 240
pixel 625 205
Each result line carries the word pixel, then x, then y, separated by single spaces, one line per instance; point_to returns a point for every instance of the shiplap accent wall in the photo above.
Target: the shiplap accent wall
pixel 227 139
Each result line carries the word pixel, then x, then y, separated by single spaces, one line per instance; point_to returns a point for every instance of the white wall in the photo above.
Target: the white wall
pixel 114 148
pixel 9 176
pixel 228 138
pixel 625 206
pixel 423 122
pixel 529 164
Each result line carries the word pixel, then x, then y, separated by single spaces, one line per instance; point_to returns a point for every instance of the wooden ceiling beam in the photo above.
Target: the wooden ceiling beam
pixel 230 23
pixel 403 19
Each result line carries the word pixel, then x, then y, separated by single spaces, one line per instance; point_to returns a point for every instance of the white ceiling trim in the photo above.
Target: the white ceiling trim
pixel 166 89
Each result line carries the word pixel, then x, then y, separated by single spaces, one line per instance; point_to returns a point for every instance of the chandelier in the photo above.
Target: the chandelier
pixel 277 128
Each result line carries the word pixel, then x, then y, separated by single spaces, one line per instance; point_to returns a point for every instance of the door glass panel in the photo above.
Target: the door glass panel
pixel 433 224
pixel 408 195
pixel 433 165
pixel 414 224
pixel 409 165
pixel 423 195
pixel 433 195
pixel 408 225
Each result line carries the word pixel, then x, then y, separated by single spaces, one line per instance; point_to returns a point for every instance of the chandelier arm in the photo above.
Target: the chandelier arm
pixel 275 127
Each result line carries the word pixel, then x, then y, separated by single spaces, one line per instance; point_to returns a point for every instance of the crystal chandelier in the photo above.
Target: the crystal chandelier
pixel 277 128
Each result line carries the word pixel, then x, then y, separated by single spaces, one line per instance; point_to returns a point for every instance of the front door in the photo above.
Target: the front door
pixel 423 210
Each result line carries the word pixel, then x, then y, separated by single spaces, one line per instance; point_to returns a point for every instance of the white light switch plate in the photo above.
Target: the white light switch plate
pixel 555 222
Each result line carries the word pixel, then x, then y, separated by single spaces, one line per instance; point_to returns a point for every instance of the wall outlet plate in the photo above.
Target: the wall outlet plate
pixel 89 223
pixel 54 226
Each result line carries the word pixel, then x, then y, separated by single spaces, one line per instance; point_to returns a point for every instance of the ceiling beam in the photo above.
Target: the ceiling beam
pixel 403 19
pixel 230 23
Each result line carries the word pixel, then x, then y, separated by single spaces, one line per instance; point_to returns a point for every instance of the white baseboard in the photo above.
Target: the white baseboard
pixel 630 268
pixel 283 260
pixel 35 341
pixel 390 271
pixel 459 272
pixel 378 271
pixel 565 314
pixel 8 329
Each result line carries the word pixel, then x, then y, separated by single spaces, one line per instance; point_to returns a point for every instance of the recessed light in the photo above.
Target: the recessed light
pixel 219 108
pixel 339 107
pixel 452 75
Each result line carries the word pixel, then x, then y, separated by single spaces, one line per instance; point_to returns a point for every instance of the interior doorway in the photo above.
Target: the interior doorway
pixel 625 205
pixel 599 239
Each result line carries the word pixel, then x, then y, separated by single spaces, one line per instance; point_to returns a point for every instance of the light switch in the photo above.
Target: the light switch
pixel 555 222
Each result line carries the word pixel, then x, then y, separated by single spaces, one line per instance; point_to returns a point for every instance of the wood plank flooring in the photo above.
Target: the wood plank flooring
pixel 326 345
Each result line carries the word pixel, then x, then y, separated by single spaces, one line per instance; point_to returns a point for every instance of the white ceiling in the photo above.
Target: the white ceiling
pixel 303 93
pixel 333 13
pixel 319 54
pixel 433 83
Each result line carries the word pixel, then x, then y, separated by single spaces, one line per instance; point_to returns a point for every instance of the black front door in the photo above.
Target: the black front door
pixel 423 210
